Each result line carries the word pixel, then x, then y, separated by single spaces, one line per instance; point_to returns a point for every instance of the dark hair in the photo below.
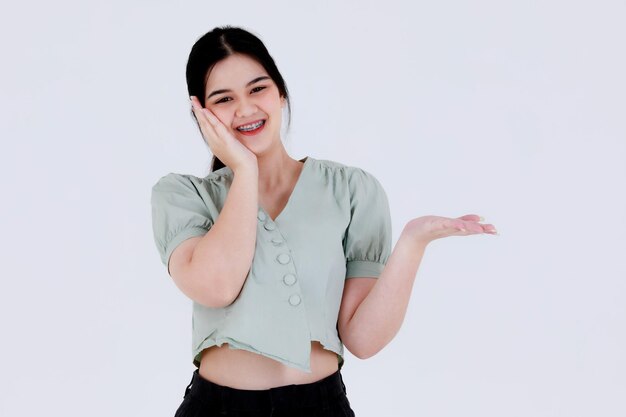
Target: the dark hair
pixel 220 43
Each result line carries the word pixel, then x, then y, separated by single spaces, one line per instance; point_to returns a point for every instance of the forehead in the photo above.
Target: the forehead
pixel 234 71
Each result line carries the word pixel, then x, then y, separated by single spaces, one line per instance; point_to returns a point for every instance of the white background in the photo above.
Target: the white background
pixel 510 110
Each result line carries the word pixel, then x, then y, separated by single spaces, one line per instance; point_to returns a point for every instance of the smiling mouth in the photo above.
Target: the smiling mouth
pixel 252 129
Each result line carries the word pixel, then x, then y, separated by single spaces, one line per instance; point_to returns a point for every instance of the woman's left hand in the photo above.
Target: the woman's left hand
pixel 428 228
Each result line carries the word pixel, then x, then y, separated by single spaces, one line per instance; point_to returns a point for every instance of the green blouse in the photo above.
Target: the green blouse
pixel 336 225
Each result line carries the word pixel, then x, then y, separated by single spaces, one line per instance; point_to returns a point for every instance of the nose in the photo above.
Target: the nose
pixel 245 108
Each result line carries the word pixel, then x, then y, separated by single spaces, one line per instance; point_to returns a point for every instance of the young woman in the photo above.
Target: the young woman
pixel 285 260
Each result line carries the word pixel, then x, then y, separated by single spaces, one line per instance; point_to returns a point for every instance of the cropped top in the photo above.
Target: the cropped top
pixel 336 225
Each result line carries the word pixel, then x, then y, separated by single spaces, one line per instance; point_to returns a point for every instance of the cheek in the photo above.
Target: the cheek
pixel 271 104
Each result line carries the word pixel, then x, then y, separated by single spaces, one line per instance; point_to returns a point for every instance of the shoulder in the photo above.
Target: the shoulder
pixel 356 178
pixel 349 172
pixel 173 181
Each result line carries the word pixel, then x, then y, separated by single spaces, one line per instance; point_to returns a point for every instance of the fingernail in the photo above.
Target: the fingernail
pixel 481 219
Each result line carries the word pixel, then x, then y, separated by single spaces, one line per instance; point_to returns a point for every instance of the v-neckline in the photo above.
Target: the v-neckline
pixel 305 161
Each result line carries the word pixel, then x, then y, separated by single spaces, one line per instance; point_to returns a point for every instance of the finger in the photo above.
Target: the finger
pixel 219 127
pixel 472 227
pixel 201 117
pixel 472 217
pixel 490 228
pixel 195 103
pixel 467 226
pixel 216 124
pixel 197 108
pixel 454 225
pixel 461 228
pixel 211 117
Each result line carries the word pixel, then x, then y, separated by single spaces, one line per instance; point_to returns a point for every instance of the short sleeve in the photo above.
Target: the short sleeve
pixel 367 242
pixel 178 213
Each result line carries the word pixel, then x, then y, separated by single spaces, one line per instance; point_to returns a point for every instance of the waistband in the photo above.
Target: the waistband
pixel 315 394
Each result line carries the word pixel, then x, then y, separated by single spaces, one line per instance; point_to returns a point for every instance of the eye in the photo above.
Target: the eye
pixel 223 100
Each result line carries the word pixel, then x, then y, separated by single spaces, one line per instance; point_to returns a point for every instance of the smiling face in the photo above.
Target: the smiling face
pixel 240 92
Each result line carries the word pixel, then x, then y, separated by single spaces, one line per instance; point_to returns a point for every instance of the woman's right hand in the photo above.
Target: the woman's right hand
pixel 222 143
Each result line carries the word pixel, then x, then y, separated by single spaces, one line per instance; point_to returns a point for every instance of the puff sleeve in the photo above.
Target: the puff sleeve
pixel 367 242
pixel 179 212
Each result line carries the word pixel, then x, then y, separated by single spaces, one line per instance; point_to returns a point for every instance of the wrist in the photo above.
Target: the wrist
pixel 414 238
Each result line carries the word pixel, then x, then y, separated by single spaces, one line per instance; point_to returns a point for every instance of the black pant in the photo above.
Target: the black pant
pixel 323 398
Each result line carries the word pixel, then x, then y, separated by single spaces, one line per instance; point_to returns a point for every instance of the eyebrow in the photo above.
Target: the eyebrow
pixel 257 79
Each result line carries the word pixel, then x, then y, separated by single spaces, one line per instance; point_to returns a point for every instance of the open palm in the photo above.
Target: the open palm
pixel 428 228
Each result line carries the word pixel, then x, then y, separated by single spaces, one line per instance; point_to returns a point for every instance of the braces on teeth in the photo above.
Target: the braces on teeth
pixel 252 126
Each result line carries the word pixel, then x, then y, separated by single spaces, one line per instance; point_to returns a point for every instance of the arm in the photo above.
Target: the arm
pixel 212 269
pixel 370 319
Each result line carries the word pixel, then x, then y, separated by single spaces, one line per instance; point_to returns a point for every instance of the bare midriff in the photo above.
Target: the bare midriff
pixel 242 369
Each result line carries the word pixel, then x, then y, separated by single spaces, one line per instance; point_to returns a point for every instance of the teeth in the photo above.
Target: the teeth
pixel 251 126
